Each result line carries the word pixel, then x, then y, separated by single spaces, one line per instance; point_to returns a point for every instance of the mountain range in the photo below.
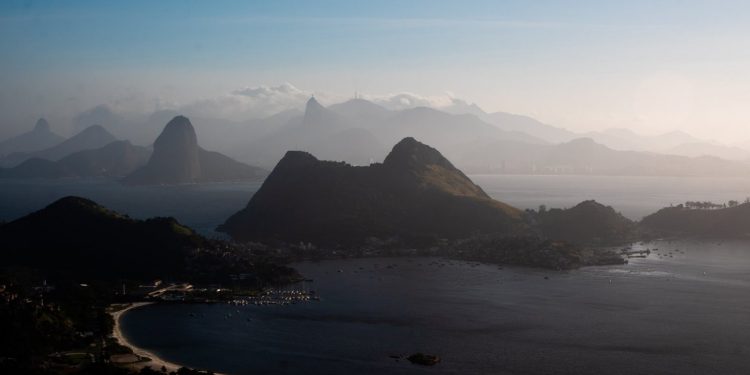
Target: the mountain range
pixel 39 138
pixel 517 123
pixel 116 159
pixel 358 131
pixel 585 156
pixel 92 137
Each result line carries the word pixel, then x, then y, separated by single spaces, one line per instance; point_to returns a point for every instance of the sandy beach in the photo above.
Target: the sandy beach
pixel 156 362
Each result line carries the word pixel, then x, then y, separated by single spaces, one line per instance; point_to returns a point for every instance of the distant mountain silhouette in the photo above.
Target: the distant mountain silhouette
pixel 585 156
pixel 323 119
pixel 39 138
pixel 35 168
pixel 446 131
pixel 696 149
pixel 361 109
pixel 517 123
pixel 116 159
pixel 455 129
pixel 92 137
pixel 415 195
pixel 357 131
pixel 100 114
pixel 529 125
pixel 177 158
pixel 628 140
pixel 321 131
pixel 79 238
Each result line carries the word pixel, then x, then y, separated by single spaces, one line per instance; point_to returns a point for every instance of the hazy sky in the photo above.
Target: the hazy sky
pixel 651 66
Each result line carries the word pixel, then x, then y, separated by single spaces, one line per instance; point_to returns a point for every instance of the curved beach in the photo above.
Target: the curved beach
pixel 155 361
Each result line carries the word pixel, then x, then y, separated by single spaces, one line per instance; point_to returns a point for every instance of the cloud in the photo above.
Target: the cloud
pixel 250 102
pixel 257 102
pixel 263 101
pixel 284 91
pixel 404 100
pixel 99 115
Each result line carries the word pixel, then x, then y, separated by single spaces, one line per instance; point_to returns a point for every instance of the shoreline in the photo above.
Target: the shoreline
pixel 155 362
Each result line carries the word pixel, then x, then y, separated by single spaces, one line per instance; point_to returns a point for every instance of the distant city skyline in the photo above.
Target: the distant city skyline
pixel 648 66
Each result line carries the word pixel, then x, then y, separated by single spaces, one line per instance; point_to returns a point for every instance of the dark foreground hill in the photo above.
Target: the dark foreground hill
pixel 178 159
pixel 415 196
pixel 62 268
pixel 78 237
pixel 731 222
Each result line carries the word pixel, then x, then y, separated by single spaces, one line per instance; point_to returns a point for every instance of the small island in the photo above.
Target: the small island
pixel 423 359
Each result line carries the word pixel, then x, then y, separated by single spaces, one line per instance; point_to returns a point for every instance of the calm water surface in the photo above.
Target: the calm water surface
pixel 688 313
pixel 200 206
pixel 660 315
pixel 634 196
pixel 205 206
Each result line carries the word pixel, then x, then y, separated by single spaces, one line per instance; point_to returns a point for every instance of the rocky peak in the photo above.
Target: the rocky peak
pixel 296 159
pixel 176 152
pixel 179 132
pixel 313 104
pixel 412 154
pixel 177 159
pixel 314 110
pixel 42 126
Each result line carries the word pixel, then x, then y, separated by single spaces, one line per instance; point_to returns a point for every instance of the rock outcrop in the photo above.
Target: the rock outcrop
pixel 178 159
